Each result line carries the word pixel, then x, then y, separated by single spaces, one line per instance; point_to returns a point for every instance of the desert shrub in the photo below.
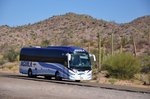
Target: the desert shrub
pixel 65 42
pixel 2 61
pixel 145 64
pixel 145 78
pixel 45 43
pixel 11 55
pixel 94 72
pixel 122 65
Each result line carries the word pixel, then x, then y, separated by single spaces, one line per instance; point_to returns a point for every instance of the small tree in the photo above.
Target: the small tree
pixel 11 55
pixel 146 64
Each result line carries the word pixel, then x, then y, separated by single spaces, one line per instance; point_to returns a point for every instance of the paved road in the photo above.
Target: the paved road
pixel 22 87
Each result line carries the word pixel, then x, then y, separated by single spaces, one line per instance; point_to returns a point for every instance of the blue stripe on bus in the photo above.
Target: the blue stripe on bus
pixel 65 71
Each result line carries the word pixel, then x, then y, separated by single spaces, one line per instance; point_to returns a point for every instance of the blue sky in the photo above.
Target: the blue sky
pixel 21 12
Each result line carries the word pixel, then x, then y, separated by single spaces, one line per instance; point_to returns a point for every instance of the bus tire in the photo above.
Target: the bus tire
pixel 57 76
pixel 47 77
pixel 30 73
pixel 77 80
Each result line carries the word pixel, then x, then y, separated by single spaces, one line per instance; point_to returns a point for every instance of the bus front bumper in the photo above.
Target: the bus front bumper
pixel 86 75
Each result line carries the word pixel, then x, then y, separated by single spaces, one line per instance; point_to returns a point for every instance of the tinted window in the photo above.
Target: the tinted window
pixel 43 55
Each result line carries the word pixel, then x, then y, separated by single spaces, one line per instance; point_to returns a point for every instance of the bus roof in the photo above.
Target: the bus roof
pixel 68 49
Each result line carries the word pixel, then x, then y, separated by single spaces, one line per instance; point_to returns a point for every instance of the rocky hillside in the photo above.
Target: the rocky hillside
pixel 79 30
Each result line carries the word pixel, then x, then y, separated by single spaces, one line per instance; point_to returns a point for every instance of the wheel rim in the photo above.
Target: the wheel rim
pixel 57 76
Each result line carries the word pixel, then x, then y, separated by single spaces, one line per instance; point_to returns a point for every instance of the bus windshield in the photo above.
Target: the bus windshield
pixel 80 61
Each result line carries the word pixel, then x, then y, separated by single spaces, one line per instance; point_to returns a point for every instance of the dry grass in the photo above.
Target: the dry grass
pixel 132 82
pixel 145 78
pixel 10 67
pixel 1 56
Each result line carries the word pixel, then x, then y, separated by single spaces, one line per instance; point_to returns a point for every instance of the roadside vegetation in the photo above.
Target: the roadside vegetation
pixel 10 55
pixel 9 60
pixel 10 67
pixel 121 65
pixel 123 69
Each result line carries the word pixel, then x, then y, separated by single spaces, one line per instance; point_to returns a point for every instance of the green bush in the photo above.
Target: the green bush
pixel 11 55
pixel 122 65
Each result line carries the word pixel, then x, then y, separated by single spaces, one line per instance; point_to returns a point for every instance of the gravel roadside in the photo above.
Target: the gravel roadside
pixel 14 88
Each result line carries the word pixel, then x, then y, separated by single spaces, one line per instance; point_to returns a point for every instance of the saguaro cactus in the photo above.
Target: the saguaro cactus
pixel 89 47
pixel 112 43
pixel 134 45
pixel 99 51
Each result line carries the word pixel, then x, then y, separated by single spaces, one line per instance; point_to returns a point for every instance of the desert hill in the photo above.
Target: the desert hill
pixel 79 30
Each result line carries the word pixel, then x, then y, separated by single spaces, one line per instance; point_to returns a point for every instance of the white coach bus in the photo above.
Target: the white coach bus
pixel 61 62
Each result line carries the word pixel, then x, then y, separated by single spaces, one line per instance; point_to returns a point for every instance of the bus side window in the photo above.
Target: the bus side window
pixel 30 64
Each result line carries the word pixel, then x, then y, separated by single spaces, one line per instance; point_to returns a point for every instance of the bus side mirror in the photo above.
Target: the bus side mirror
pixel 68 56
pixel 92 55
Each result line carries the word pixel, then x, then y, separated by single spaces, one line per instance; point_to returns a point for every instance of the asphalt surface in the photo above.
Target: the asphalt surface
pixel 16 86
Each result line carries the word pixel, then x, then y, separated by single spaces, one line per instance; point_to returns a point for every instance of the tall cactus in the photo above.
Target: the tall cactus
pixel 148 38
pixel 112 43
pixel 121 48
pixel 121 43
pixel 134 45
pixel 89 47
pixel 99 51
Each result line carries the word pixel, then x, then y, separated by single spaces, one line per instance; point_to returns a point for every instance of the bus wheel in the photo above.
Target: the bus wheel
pixel 30 73
pixel 47 77
pixel 77 80
pixel 57 76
